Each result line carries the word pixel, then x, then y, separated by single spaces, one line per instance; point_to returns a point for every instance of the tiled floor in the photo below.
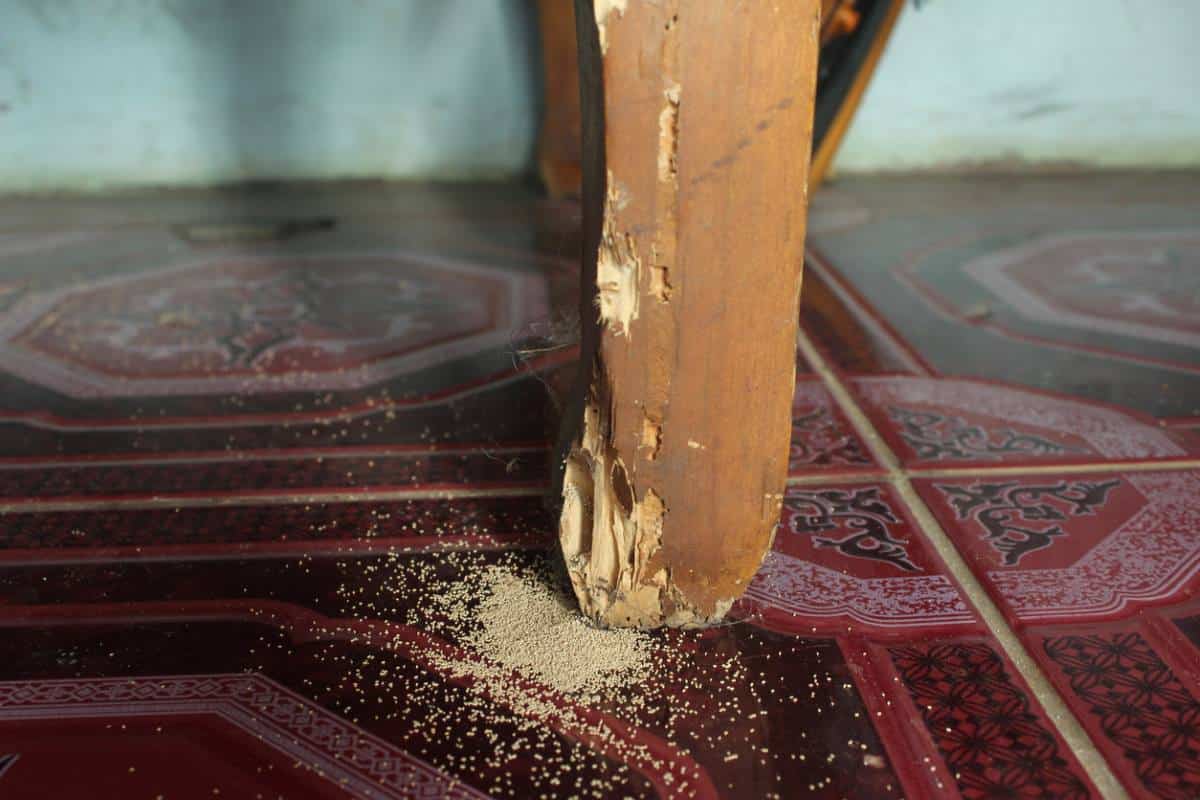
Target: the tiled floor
pixel 1076 284
pixel 222 447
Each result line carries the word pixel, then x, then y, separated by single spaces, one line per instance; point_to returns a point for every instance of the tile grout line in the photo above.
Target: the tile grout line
pixel 255 456
pixel 824 478
pixel 826 475
pixel 1088 468
pixel 863 311
pixel 278 499
pixel 1060 715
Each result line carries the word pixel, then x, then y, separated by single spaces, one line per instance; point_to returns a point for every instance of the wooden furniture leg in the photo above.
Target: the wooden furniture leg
pixel 558 149
pixel 841 96
pixel 697 124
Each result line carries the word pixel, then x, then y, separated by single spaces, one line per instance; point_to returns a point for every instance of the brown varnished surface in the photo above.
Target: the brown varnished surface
pixel 715 204
pixel 558 141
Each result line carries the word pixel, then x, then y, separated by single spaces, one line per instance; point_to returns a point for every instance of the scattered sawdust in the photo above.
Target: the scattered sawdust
pixel 525 625
pixel 540 679
pixel 481 658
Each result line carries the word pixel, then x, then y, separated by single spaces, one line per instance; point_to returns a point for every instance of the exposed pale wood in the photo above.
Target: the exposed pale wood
pixel 697 120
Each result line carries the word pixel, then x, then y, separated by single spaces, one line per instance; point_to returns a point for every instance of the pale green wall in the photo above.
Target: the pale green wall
pixel 100 93
pixel 1094 82
pixel 97 93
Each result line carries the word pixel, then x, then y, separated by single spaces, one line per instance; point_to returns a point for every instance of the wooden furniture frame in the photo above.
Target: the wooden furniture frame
pixel 854 35
pixel 697 123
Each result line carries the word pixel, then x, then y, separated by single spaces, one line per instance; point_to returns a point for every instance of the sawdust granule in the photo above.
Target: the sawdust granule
pixel 539 690
pixel 525 625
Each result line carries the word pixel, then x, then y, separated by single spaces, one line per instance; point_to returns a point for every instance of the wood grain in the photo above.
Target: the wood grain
pixel 558 138
pixel 697 124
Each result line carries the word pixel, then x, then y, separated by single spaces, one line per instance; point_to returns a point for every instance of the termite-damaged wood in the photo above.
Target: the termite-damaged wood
pixel 696 132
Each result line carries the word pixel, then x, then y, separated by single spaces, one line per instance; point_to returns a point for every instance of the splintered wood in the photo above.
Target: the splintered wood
pixel 697 123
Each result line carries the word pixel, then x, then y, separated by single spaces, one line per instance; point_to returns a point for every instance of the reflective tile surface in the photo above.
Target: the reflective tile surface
pixel 268 457
pixel 1080 284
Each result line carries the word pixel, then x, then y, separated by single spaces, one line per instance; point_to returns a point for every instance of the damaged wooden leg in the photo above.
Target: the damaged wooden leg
pixel 697 125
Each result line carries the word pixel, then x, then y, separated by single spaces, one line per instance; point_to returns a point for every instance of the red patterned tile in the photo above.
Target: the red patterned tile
pixel 243 474
pixel 822 439
pixel 848 560
pixel 806 695
pixel 205 529
pixel 471 415
pixel 849 557
pixel 265 324
pixel 214 530
pixel 382 745
pixel 1122 288
pixel 1032 282
pixel 768 732
pixel 984 724
pixel 1064 547
pixel 1092 570
pixel 948 422
pixel 847 328
pixel 183 736
pixel 384 330
pixel 1142 710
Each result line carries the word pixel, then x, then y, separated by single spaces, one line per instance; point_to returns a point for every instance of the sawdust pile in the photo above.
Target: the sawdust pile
pixel 525 625
pixel 484 661
pixel 539 680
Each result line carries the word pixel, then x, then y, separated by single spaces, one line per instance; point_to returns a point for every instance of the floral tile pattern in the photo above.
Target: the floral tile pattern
pixel 177 529
pixel 849 557
pixel 941 422
pixel 849 561
pixel 1090 569
pixel 1059 548
pixel 266 324
pixel 344 471
pixel 246 723
pixel 212 452
pixel 821 435
pixel 982 722
pixel 1084 285
pixel 1148 713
